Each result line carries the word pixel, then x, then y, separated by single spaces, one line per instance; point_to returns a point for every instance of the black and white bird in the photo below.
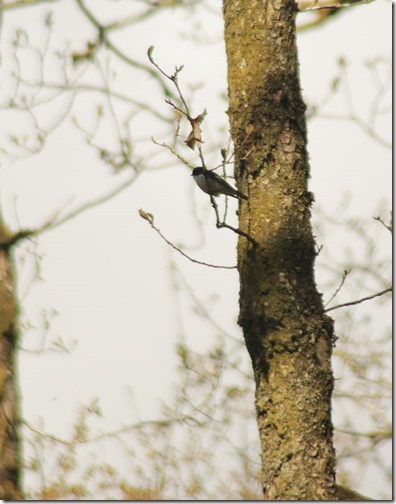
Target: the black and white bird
pixel 213 184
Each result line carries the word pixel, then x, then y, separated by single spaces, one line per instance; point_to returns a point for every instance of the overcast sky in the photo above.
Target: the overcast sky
pixel 106 272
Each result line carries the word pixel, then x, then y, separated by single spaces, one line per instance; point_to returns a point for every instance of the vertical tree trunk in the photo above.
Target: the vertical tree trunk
pixel 288 336
pixel 10 459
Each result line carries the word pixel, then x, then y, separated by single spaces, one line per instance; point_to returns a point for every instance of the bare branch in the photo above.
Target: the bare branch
pixel 173 77
pixel 344 275
pixel 93 203
pixel 55 222
pixel 77 88
pixel 387 226
pixel 196 132
pixel 103 38
pixel 238 231
pixel 145 423
pixel 359 122
pixel 358 301
pixel 223 224
pixel 376 435
pixel 346 494
pixel 23 3
pixel 173 151
pixel 307 6
pixel 150 219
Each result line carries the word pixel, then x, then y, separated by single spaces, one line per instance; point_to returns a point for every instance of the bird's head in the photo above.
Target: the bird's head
pixel 197 171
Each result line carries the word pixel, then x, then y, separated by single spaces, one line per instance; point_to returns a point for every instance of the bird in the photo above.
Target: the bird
pixel 213 184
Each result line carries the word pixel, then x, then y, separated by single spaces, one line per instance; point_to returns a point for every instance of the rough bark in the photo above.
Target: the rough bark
pixel 10 459
pixel 288 336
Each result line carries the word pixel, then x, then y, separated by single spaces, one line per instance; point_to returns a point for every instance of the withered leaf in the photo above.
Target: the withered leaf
pixel 195 136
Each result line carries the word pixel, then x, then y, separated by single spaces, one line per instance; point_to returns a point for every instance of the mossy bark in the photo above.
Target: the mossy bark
pixel 287 334
pixel 10 459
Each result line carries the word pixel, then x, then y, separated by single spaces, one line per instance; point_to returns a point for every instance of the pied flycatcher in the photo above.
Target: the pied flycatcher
pixel 213 184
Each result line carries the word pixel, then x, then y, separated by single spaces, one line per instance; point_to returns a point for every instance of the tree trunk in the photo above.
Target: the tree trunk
pixel 10 459
pixel 288 336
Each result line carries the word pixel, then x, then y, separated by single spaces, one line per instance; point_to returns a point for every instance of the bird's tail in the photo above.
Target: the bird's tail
pixel 241 195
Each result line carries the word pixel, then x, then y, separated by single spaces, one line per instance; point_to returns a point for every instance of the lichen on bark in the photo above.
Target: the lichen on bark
pixel 288 336
pixel 10 453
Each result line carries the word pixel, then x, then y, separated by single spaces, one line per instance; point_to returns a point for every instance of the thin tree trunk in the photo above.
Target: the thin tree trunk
pixel 288 336
pixel 10 459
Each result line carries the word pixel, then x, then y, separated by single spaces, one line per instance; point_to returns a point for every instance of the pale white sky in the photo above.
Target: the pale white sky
pixel 106 272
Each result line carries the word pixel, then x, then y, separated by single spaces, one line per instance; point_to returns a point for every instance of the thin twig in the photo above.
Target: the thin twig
pixel 337 5
pixel 375 435
pixel 223 224
pixel 238 231
pixel 358 301
pixel 175 79
pixel 150 219
pixel 344 275
pixel 123 430
pixel 95 202
pixel 67 88
pixel 387 226
pixel 53 222
pixel 200 308
pixel 113 115
pixel 102 37
pixel 186 112
pixel 173 151
pixel 169 102
pixel 359 122
pixel 23 3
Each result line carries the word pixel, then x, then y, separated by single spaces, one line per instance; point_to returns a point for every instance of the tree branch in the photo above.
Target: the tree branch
pixel 387 226
pixel 23 3
pixel 344 276
pixel 348 494
pixel 223 224
pixel 358 301
pixel 173 151
pixel 54 222
pixel 103 38
pixel 123 430
pixel 307 6
pixel 150 219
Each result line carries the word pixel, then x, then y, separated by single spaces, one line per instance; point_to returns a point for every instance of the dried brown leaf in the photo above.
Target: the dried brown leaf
pixel 195 136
